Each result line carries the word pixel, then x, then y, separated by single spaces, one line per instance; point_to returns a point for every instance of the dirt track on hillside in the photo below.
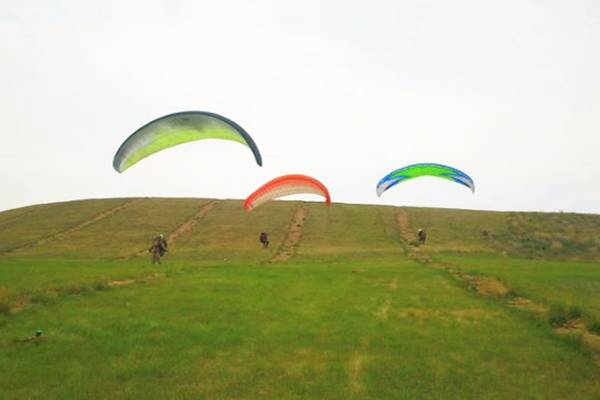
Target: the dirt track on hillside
pixel 404 226
pixel 184 229
pixel 98 217
pixel 288 247
pixel 188 226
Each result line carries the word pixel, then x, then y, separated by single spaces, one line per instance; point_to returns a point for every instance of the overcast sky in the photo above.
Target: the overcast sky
pixel 345 91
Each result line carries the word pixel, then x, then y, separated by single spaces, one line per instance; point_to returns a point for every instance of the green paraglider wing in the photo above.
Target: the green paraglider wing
pixel 424 169
pixel 174 129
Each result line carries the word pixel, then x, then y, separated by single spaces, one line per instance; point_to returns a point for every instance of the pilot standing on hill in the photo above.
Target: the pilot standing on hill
pixel 158 248
pixel 421 235
pixel 264 239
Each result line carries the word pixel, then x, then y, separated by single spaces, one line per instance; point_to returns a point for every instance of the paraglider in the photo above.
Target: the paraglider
pixel 174 129
pixel 286 185
pixel 424 169
pixel 263 238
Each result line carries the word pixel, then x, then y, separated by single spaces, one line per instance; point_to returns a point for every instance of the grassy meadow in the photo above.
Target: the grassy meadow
pixel 347 313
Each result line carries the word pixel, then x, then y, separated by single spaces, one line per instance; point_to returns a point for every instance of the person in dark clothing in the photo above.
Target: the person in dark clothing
pixel 158 248
pixel 264 239
pixel 422 236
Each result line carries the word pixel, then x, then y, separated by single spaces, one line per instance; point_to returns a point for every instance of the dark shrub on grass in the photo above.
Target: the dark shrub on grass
pixel 101 286
pixel 78 290
pixel 574 312
pixel 594 327
pixel 557 315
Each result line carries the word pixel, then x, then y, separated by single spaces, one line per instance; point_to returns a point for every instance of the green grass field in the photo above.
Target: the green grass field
pixel 339 309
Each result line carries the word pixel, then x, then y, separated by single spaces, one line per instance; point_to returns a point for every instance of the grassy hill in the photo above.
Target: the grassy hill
pixel 343 304
pixel 125 227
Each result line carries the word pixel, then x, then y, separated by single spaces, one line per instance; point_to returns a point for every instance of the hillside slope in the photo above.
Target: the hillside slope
pixel 343 304
pixel 206 229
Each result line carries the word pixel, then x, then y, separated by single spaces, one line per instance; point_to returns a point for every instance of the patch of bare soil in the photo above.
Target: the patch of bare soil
pixel 593 341
pixel 393 284
pixel 124 282
pixel 144 279
pixel 416 313
pixel 404 226
pixel 589 339
pixel 526 304
pixel 355 367
pixel 76 228
pixel 484 285
pixel 18 306
pixel 488 286
pixel 384 311
pixel 288 247
pixel 467 315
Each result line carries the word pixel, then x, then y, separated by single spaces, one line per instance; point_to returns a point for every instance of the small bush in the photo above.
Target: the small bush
pixel 101 286
pixel 574 312
pixel 594 327
pixel 557 315
pixel 73 290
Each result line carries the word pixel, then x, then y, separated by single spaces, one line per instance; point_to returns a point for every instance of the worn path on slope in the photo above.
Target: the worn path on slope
pixel 489 286
pixel 288 247
pixel 184 229
pixel 98 217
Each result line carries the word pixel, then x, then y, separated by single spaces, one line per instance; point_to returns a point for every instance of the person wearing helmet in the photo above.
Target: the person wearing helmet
pixel 158 248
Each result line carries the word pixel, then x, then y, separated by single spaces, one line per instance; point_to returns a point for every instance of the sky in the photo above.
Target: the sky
pixel 344 91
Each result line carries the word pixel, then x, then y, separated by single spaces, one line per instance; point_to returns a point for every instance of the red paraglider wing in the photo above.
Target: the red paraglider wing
pixel 284 186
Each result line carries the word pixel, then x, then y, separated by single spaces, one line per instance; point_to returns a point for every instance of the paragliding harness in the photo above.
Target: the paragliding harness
pixel 158 248
pixel 264 239
pixel 422 236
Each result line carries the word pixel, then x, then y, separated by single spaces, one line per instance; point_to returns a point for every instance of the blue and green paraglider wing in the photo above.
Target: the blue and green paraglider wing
pixel 424 169
pixel 174 129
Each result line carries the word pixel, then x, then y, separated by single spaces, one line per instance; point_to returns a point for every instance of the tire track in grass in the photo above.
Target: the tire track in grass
pixel 82 225
pixel 287 248
pixel 184 229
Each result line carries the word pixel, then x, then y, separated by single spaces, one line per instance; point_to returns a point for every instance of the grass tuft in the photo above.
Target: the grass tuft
pixel 100 286
pixel 45 297
pixel 557 315
pixel 574 312
pixel 78 289
pixel 594 327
